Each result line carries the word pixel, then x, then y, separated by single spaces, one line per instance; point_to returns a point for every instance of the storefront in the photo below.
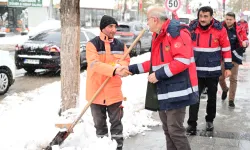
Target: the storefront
pixel 92 17
pixel 14 14
pixel 91 11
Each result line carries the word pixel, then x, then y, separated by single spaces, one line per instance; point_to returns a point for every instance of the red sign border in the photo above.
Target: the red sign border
pixel 166 2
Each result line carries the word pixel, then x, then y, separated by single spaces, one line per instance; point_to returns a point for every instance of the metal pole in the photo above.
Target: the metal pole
pixel 138 15
pixel 224 7
pixel 187 4
pixel 242 6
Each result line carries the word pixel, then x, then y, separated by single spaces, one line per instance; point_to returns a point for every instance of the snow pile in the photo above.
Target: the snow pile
pixel 28 119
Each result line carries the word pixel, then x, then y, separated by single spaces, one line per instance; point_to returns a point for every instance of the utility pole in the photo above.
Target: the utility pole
pixel 242 6
pixel 187 5
pixel 124 10
pixel 138 10
pixel 223 7
pixel 51 9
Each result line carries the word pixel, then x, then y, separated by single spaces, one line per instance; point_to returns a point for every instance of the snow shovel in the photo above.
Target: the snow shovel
pixel 62 135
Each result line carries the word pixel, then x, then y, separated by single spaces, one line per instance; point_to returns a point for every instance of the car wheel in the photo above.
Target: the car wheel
pixel 24 33
pixel 4 81
pixel 29 70
pixel 138 49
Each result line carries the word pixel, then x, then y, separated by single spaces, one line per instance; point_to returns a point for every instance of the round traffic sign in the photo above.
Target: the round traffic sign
pixel 173 5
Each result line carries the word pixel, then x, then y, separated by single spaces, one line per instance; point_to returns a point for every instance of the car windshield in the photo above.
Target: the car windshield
pixel 123 28
pixel 184 20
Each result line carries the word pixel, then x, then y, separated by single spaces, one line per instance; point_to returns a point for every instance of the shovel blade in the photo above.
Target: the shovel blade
pixel 58 139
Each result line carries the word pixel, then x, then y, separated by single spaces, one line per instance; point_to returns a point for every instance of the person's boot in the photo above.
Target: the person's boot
pixel 203 93
pixel 224 95
pixel 231 104
pixel 209 126
pixel 119 147
pixel 191 130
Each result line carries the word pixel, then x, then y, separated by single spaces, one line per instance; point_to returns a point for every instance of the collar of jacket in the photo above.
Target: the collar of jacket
pixel 210 26
pixel 105 38
pixel 236 26
pixel 215 24
pixel 238 29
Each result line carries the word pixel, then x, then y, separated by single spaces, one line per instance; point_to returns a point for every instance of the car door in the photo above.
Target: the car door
pixel 148 36
pixel 138 29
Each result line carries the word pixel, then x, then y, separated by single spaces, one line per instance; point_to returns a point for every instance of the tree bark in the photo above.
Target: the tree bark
pixel 70 49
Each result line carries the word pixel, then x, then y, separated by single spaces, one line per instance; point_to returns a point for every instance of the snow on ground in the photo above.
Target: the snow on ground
pixel 95 30
pixel 13 40
pixel 28 119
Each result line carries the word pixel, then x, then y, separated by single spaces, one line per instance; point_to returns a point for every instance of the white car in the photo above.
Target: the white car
pixel 7 71
pixel 186 18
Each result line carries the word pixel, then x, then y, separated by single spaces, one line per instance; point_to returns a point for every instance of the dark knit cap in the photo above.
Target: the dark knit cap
pixel 107 20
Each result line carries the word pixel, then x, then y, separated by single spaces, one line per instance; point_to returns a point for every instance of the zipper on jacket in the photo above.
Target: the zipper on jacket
pixel 104 101
pixel 198 40
pixel 161 51
pixel 210 40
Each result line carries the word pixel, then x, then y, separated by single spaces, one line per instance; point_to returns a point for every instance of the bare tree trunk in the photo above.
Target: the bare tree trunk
pixel 70 49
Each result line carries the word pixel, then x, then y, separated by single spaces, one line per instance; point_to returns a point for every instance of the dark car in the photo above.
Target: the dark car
pixel 42 51
pixel 127 33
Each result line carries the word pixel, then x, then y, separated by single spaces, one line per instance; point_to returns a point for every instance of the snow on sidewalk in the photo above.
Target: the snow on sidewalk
pixel 27 120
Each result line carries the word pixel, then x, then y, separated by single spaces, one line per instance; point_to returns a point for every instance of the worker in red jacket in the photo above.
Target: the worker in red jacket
pixel 211 45
pixel 239 42
pixel 173 72
pixel 242 23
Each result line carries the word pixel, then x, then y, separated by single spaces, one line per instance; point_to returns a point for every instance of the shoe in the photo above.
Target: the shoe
pixel 204 91
pixel 119 148
pixel 224 95
pixel 191 130
pixel 203 96
pixel 231 104
pixel 209 126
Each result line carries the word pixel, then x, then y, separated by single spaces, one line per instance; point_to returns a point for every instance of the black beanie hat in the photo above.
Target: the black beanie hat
pixel 107 20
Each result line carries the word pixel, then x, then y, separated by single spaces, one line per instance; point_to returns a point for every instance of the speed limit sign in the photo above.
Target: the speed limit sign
pixel 173 5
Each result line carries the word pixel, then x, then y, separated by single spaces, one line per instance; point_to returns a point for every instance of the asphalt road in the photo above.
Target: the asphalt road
pixel 26 82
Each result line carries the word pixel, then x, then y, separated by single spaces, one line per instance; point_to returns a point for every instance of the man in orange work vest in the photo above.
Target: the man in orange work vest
pixel 103 54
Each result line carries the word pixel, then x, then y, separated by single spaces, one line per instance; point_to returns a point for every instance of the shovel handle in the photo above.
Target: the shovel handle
pixel 105 82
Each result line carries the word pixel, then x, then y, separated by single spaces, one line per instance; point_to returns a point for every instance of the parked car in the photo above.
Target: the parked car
pixel 186 18
pixel 42 51
pixel 127 33
pixel 2 31
pixel 7 71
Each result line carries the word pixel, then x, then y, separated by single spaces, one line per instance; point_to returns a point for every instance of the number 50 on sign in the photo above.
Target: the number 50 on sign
pixel 173 5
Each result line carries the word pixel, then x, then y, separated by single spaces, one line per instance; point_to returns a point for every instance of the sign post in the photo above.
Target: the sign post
pixel 223 3
pixel 173 6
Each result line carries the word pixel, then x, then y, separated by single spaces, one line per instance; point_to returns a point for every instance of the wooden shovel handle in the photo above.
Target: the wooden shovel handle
pixel 105 82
